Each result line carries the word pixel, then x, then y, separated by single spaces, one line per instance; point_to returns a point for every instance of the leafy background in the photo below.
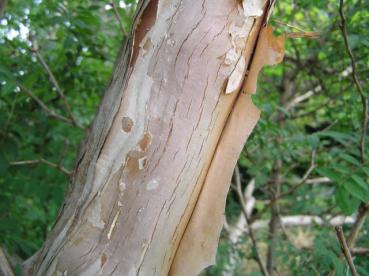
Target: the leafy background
pixel 306 143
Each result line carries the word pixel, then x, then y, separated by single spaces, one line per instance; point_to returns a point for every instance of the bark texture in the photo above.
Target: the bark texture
pixel 148 192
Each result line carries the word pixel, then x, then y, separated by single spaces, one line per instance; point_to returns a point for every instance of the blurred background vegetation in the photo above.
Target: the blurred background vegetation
pixel 302 170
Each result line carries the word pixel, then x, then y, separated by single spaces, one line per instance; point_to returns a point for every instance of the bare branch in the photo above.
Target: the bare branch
pixel 235 231
pixel 295 101
pixel 237 177
pixel 274 223
pixel 356 81
pixel 304 178
pixel 360 219
pixel 354 234
pixel 43 161
pixel 318 180
pixel 55 83
pixel 360 251
pixel 304 220
pixel 50 112
pixel 119 19
pixel 345 249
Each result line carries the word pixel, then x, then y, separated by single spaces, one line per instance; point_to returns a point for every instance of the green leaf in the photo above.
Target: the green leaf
pixel 366 170
pixel 357 190
pixel 343 138
pixel 332 175
pixel 350 159
pixel 313 141
pixel 360 182
pixel 4 164
pixel 346 202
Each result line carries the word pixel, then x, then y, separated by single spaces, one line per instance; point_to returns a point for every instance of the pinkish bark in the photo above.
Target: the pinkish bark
pixel 152 176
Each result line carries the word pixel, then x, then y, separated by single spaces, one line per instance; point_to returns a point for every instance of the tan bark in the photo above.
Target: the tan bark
pixel 148 192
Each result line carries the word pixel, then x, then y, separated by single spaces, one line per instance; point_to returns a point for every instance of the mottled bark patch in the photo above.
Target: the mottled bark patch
pixel 103 259
pixel 127 124
pixel 145 141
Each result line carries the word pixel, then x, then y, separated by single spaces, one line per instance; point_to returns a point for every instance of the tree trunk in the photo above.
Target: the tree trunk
pixel 147 195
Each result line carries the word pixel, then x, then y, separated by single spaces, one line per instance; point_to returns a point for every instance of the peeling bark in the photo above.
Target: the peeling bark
pixel 148 192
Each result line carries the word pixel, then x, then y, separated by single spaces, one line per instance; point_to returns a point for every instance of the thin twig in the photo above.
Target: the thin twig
pixel 345 250
pixel 43 161
pixel 309 35
pixel 303 179
pixel 244 211
pixel 50 112
pixel 55 83
pixel 288 25
pixel 360 251
pixel 318 180
pixel 354 234
pixel 356 81
pixel 119 19
pixel 274 223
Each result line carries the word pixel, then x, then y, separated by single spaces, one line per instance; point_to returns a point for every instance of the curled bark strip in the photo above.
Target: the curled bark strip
pixel 269 51
pixel 198 246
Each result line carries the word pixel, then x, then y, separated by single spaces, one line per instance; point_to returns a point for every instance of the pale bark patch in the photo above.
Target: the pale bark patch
pixel 239 32
pixel 253 8
pixel 152 185
pixel 112 226
pixel 95 215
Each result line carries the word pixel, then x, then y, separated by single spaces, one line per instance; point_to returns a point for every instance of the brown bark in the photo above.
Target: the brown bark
pixel 2 7
pixel 148 192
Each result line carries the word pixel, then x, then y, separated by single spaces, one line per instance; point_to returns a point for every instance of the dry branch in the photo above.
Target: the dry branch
pixel 119 19
pixel 55 84
pixel 355 78
pixel 43 161
pixel 49 112
pixel 360 251
pixel 304 178
pixel 259 260
pixel 345 249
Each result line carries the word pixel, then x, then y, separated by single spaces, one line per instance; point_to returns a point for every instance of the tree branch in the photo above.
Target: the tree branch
pixel 274 223
pixel 304 178
pixel 345 250
pixel 304 220
pixel 119 19
pixel 356 81
pixel 360 219
pixel 237 177
pixel 360 251
pixel 55 84
pixel 50 112
pixel 43 161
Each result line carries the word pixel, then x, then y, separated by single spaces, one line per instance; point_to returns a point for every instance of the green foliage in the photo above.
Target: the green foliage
pixel 79 41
